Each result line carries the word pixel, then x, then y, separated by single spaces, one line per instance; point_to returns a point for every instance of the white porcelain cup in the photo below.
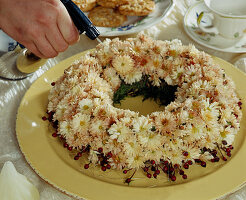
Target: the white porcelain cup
pixel 228 18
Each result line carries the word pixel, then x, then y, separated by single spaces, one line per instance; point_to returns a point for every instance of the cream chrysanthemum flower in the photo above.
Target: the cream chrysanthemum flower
pixel 193 152
pixel 142 124
pixel 119 131
pixel 93 156
pixel 132 148
pixel 65 129
pixel 195 131
pixel 136 162
pixel 60 110
pixel 80 122
pixel 112 77
pixel 209 117
pixel 132 77
pixel 123 64
pixel 153 155
pixel 226 116
pixel 165 122
pixel 150 140
pixel 85 106
pixel 98 126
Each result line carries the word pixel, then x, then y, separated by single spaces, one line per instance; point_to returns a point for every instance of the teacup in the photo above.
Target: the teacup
pixel 228 18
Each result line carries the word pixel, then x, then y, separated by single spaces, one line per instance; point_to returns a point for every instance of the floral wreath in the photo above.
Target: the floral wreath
pixel 199 122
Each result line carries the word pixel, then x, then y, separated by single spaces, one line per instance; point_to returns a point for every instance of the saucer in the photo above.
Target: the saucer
pixel 210 40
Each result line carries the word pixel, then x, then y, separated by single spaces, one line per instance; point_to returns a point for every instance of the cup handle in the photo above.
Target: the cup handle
pixel 210 29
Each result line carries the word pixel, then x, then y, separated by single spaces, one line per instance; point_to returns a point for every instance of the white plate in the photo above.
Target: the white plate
pixel 210 40
pixel 137 24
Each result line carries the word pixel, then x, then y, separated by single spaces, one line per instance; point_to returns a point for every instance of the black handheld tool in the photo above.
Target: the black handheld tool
pixel 80 20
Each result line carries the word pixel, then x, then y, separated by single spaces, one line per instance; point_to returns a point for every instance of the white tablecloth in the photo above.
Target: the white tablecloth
pixel 11 93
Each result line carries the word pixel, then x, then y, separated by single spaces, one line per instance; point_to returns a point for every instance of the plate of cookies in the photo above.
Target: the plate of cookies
pixel 122 17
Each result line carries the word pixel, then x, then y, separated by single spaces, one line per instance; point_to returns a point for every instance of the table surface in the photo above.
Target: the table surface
pixel 11 93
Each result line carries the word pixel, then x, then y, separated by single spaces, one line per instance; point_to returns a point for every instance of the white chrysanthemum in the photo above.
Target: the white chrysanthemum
pixel 92 78
pixel 206 156
pixel 99 94
pixel 65 128
pixel 127 121
pixel 182 116
pixel 228 134
pixel 165 122
pixel 209 116
pixel 177 73
pixel 93 157
pixel 210 106
pixel 98 126
pixel 229 138
pixel 79 90
pixel 150 140
pixel 80 122
pixel 196 131
pixel 153 155
pixel 175 155
pixel 60 110
pixel 226 116
pixel 141 124
pixel 155 80
pixel 193 153
pixel 112 77
pixel 132 77
pixel 123 64
pixel 106 110
pixel 198 88
pixel 136 162
pixel 119 131
pixel 102 86
pixel 85 106
pixel 87 59
pixel 132 148
pixel 169 80
pixel 99 142
pixel 118 161
pixel 175 44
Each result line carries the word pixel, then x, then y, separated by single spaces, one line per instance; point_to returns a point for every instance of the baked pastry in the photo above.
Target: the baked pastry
pixel 112 3
pixel 85 5
pixel 106 17
pixel 137 8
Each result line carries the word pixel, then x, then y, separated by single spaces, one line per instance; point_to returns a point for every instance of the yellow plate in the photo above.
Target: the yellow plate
pixel 56 165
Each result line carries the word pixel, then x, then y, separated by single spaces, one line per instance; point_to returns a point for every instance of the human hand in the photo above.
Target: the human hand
pixel 42 26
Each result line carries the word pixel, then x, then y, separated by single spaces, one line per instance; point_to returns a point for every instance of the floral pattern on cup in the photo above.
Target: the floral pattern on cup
pixel 202 35
pixel 211 40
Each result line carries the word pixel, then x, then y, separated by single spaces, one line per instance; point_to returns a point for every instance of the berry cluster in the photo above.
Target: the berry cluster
pixel 151 169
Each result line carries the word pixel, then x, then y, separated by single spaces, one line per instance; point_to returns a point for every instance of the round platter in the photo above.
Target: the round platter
pixel 56 165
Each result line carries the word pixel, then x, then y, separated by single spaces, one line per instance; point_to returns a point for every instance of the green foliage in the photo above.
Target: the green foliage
pixel 163 94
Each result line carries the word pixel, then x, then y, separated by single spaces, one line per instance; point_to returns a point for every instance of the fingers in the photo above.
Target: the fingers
pixel 42 26
pixel 45 47
pixel 42 48
pixel 56 39
pixel 59 34
pixel 67 27
pixel 33 48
